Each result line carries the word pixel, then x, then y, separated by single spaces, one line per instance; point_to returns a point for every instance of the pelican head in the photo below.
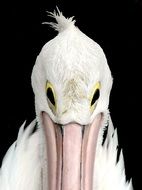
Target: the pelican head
pixel 71 82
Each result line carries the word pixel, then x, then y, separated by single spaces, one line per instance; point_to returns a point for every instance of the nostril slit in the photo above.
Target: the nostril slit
pixel 61 128
pixel 83 129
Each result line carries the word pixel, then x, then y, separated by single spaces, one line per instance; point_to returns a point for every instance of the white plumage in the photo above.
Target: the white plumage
pixel 112 173
pixel 21 168
pixel 24 166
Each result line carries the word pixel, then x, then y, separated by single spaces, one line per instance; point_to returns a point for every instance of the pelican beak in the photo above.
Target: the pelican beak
pixel 70 153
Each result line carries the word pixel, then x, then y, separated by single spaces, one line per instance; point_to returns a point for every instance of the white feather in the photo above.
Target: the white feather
pixel 21 167
pixel 110 174
pixel 62 22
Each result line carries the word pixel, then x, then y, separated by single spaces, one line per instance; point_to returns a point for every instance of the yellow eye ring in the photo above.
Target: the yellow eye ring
pixel 94 96
pixel 51 97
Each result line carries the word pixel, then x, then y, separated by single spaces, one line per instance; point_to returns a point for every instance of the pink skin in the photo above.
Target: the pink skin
pixel 70 154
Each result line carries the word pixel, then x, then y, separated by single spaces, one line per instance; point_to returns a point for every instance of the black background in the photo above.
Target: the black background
pixel 115 25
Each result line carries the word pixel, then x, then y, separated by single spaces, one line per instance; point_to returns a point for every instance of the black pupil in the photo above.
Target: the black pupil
pixel 50 96
pixel 95 96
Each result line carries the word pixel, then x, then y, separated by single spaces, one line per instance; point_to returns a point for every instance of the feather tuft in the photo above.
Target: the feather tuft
pixel 62 22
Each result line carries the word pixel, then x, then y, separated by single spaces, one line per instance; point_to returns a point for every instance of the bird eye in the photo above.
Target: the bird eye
pixel 95 96
pixel 50 96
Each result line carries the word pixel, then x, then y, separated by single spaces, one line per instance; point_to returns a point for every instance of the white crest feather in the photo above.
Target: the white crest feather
pixel 62 22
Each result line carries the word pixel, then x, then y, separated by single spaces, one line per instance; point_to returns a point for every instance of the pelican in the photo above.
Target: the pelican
pixel 71 81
